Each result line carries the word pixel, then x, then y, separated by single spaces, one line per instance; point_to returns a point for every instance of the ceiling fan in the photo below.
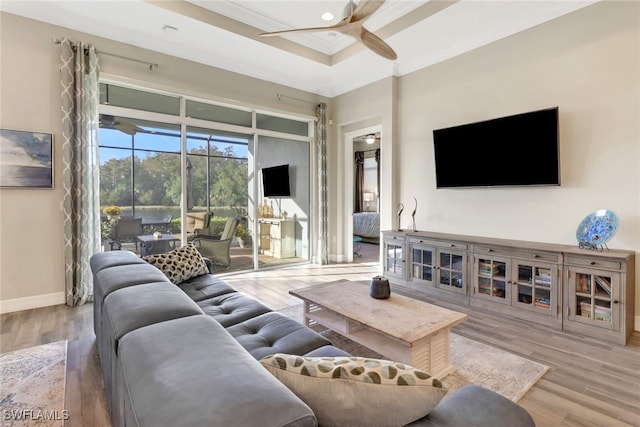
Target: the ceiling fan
pixel 353 17
pixel 111 122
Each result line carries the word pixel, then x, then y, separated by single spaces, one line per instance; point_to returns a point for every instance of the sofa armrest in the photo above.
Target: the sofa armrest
pixel 475 406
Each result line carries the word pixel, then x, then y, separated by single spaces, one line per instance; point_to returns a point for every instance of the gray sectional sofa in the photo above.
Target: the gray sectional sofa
pixel 188 355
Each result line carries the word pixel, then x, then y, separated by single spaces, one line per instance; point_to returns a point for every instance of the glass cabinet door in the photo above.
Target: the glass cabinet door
pixel 534 287
pixel 451 270
pixel 491 279
pixel 422 264
pixel 594 299
pixel 394 259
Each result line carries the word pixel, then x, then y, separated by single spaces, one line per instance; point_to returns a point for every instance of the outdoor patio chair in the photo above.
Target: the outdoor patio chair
pixel 197 224
pixel 217 249
pixel 127 228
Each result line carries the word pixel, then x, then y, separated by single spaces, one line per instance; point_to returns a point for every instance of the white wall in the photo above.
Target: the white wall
pixel 586 63
pixel 31 232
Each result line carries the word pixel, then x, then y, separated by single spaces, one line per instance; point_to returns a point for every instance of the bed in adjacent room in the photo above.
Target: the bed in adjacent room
pixel 367 226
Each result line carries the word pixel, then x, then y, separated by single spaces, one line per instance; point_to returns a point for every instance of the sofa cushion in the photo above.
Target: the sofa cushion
pixel 276 333
pixel 180 264
pixel 356 390
pixel 122 276
pixel 229 309
pixel 327 351
pixel 116 277
pixel 204 287
pixel 190 372
pixel 111 258
pixel 128 309
pixel 138 306
pixel 475 406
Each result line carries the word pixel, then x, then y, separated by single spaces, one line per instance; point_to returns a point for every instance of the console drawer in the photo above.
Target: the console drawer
pixel 438 243
pixel 528 255
pixel 594 262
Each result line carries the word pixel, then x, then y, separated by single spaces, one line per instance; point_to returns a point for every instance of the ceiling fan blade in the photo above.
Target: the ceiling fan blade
pixel 365 8
pixel 376 44
pixel 336 27
pixel 128 128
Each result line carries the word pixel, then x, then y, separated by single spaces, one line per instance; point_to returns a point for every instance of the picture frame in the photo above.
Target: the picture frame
pixel 26 159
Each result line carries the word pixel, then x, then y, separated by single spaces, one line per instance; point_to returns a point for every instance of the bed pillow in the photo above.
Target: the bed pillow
pixel 180 264
pixel 344 391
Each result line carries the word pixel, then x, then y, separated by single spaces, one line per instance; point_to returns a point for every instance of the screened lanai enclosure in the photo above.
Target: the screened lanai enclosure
pixel 175 170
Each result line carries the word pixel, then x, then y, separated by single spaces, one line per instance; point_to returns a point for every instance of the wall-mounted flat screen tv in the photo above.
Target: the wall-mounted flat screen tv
pixel 275 181
pixel 518 150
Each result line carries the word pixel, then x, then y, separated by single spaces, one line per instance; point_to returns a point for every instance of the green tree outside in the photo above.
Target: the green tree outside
pixel 158 179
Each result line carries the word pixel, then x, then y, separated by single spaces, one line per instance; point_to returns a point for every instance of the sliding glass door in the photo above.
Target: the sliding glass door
pixel 140 170
pixel 218 183
pixel 185 167
pixel 283 212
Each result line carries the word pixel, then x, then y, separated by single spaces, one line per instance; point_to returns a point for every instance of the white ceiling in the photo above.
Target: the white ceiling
pixel 225 33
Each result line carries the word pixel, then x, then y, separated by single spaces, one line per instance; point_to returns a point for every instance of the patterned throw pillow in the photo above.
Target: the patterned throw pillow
pixel 358 391
pixel 180 264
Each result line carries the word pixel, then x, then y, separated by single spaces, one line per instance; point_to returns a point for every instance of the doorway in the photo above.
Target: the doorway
pixel 361 195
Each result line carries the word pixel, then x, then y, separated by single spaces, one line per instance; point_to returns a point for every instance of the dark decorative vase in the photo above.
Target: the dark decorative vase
pixel 379 288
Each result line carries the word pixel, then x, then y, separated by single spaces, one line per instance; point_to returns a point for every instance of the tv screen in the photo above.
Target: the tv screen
pixel 522 149
pixel 275 181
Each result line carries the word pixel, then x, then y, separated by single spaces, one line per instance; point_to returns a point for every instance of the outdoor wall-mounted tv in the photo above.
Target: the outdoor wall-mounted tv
pixel 518 150
pixel 275 181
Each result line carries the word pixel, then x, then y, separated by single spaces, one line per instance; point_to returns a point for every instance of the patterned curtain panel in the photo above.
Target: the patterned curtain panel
pixel 378 171
pixel 79 79
pixel 359 182
pixel 321 128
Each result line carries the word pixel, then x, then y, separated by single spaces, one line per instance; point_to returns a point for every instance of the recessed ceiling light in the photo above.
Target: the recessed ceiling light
pixel 327 16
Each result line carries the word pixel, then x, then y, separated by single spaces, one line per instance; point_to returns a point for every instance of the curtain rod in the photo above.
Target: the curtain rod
pixel 150 64
pixel 280 96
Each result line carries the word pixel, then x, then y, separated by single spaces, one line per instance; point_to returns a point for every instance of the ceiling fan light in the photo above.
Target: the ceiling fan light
pixel 327 16
pixel 370 139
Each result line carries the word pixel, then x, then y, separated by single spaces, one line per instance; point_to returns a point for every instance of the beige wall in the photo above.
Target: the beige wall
pixel 31 231
pixel 587 64
pixel 365 109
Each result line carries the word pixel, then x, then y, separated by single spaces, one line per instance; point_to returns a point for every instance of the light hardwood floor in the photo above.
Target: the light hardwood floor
pixel 590 383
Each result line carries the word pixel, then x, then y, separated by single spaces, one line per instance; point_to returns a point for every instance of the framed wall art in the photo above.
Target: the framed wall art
pixel 26 159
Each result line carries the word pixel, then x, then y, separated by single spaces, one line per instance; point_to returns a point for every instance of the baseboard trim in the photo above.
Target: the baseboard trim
pixel 27 303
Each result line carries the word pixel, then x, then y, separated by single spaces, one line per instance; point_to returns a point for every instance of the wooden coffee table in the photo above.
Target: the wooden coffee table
pixel 400 328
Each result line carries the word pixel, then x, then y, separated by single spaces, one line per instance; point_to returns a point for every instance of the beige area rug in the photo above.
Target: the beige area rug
pixel 32 386
pixel 474 362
